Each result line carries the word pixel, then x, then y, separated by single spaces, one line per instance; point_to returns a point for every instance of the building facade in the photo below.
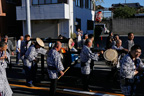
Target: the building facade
pixel 2 18
pixel 8 23
pixel 50 18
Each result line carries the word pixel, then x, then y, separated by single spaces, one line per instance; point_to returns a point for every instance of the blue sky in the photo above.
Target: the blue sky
pixel 108 3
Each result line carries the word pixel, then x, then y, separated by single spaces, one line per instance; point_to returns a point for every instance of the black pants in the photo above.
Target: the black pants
pixel 53 86
pixel 86 79
pixel 30 73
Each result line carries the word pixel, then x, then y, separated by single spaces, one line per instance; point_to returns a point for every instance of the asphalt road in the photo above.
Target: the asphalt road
pixel 102 83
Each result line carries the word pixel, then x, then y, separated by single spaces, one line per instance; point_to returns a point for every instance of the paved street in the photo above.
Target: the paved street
pixel 71 84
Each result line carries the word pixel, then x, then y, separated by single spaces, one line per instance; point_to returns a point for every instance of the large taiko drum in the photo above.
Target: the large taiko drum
pixel 111 57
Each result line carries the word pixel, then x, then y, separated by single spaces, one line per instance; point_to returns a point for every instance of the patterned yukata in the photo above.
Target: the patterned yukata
pixel 5 89
pixel 86 56
pixel 54 66
pixel 30 66
pixel 127 79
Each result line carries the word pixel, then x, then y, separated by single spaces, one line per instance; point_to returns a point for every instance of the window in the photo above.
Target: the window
pixel 86 3
pixel 41 2
pixel 35 2
pixel 78 26
pixel 62 1
pixel 48 1
pixel 89 4
pixel 54 1
pixel 90 25
pixel 79 3
pixel 11 1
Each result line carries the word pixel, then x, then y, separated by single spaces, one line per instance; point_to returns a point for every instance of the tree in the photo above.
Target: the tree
pixel 124 12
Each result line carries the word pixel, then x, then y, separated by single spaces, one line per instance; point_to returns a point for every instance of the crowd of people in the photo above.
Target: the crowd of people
pixel 130 64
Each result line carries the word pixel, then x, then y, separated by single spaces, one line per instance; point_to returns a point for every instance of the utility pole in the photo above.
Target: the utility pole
pixel 125 1
pixel 28 20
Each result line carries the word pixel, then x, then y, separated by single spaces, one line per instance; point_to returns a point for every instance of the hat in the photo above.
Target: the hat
pixel 110 55
pixel 70 43
pixel 40 42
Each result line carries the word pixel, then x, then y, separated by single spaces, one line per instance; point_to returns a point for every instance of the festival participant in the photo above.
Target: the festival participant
pixel 10 48
pixel 84 38
pixel 118 46
pixel 116 37
pixel 55 66
pixel 130 42
pixel 86 56
pixel 5 89
pixel 130 71
pixel 25 44
pixel 31 60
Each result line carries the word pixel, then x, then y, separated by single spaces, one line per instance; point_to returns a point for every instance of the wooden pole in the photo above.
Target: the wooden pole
pixel 64 72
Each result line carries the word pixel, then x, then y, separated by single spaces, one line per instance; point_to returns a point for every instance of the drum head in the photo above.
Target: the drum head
pixel 70 43
pixel 110 55
pixel 40 42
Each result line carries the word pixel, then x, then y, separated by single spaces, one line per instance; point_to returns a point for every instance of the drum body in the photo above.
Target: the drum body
pixel 111 57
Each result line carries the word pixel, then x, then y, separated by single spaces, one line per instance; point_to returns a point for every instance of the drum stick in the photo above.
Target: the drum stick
pixel 64 72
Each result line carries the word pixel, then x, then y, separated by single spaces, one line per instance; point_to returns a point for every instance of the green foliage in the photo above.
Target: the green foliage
pixel 98 0
pixel 124 12
pixel 73 35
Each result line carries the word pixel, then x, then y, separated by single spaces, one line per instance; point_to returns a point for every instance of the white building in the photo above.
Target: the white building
pixel 50 18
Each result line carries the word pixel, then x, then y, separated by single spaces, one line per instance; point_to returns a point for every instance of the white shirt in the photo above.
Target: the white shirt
pixel 18 46
pixel 79 36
